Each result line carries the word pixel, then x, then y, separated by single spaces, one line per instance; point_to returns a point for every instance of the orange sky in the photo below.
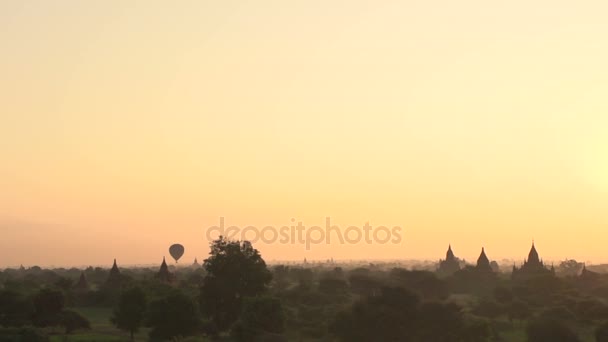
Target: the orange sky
pixel 128 126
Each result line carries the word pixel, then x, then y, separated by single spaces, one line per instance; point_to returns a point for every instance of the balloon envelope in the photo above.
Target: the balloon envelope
pixel 176 251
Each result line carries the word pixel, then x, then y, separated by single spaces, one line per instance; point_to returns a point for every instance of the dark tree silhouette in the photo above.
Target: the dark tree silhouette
pixel 333 286
pixel 304 277
pixel 261 316
pixel 173 316
pixel 503 295
pixel 15 309
pixel 397 314
pixel 281 277
pixel 72 321
pixel 129 314
pixel 387 317
pixel 488 308
pixel 48 305
pixel 549 329
pixel 234 270
pixel 518 310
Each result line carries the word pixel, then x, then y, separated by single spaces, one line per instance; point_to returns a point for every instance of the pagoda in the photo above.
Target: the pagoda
pixel 163 274
pixel 82 284
pixel 451 263
pixel 483 263
pixel 532 266
pixel 115 278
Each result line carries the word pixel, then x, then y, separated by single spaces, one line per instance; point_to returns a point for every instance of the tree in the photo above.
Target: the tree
pixel 48 306
pixel 304 277
pixel 424 283
pixel 15 309
pixel 397 314
pixel 234 270
pixel 23 334
pixel 129 314
pixel 261 316
pixel 518 310
pixel 570 267
pixel 549 329
pixel 72 320
pixel 387 317
pixel 333 286
pixel 281 275
pixel 363 284
pixel 488 308
pixel 503 295
pixel 173 316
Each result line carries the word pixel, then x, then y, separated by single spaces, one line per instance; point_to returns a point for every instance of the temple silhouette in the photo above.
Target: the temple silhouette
pixel 83 284
pixel 451 263
pixel 483 263
pixel 532 266
pixel 115 278
pixel 164 275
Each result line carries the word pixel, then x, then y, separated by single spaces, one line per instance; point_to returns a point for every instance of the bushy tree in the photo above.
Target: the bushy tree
pixel 550 329
pixel 488 308
pixel 234 270
pixel 23 334
pixel 387 317
pixel 333 286
pixel 304 277
pixel 173 316
pixel 15 309
pixel 261 316
pixel 503 295
pixel 570 267
pixel 424 283
pixel 72 321
pixel 129 314
pixel 48 306
pixel 518 310
pixel 398 315
pixel 281 277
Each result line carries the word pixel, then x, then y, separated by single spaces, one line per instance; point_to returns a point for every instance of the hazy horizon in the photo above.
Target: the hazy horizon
pixel 126 127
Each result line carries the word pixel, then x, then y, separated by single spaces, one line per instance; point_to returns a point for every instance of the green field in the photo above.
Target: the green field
pixel 101 329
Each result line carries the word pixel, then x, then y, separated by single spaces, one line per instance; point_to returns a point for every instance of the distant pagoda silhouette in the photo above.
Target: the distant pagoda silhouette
pixel 532 266
pixel 115 278
pixel 483 263
pixel 163 274
pixel 82 284
pixel 451 263
pixel 195 264
pixel 587 275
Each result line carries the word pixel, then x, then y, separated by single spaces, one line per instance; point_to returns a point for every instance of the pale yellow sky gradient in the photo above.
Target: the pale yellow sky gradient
pixel 128 126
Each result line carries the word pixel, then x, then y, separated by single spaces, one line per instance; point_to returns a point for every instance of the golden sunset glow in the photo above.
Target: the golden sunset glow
pixel 128 126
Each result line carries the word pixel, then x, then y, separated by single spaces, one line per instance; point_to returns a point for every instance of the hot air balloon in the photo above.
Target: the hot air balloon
pixel 176 251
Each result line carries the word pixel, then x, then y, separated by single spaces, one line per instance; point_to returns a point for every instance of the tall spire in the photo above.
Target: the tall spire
pixel 163 274
pixel 82 284
pixel 114 278
pixel 483 263
pixel 533 255
pixel 449 255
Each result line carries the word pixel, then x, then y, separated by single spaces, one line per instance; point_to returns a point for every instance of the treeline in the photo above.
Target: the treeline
pixel 236 296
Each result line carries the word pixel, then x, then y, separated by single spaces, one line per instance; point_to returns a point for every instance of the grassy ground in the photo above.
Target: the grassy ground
pixel 101 329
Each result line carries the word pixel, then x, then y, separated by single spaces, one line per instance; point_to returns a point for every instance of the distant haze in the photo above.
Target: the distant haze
pixel 126 127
